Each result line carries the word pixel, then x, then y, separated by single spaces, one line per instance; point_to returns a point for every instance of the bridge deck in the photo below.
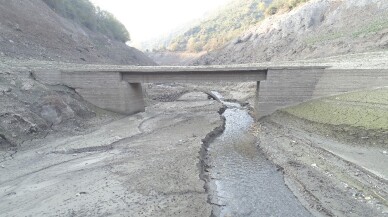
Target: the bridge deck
pixel 149 74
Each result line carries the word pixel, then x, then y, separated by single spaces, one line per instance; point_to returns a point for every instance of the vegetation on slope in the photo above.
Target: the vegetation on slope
pixel 228 23
pixel 282 5
pixel 93 18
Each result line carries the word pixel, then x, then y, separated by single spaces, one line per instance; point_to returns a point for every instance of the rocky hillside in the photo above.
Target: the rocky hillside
pixel 220 27
pixel 318 28
pixel 34 37
pixel 30 29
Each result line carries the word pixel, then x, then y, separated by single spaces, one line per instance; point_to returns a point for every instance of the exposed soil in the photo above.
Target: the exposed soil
pixel 317 29
pixel 31 30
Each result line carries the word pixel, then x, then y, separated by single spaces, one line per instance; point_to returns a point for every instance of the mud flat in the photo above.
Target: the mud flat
pixel 143 165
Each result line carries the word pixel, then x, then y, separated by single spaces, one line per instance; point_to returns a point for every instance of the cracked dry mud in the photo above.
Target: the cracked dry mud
pixel 143 165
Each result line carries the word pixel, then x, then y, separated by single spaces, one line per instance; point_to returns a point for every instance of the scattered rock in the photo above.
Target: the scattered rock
pixel 11 193
pixel 80 193
pixel 27 86
pixel 357 194
pixel 5 90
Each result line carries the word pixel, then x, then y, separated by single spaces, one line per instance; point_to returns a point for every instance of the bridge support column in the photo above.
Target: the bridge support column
pixel 256 106
pixel 107 90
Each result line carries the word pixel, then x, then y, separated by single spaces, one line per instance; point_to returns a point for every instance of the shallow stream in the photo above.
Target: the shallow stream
pixel 242 181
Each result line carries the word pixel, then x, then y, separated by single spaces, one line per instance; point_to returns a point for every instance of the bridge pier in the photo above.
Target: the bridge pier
pixel 107 90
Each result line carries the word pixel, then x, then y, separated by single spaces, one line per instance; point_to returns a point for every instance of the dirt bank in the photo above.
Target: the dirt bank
pixel 333 177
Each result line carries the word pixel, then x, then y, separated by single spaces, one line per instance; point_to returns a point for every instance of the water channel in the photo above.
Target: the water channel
pixel 242 181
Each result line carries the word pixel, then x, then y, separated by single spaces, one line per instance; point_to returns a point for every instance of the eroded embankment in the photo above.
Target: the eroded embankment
pixel 204 160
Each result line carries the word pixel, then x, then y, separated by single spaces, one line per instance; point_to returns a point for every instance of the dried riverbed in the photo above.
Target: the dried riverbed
pixel 241 181
pixel 142 165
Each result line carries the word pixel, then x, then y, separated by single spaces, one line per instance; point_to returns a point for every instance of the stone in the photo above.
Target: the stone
pixel 27 86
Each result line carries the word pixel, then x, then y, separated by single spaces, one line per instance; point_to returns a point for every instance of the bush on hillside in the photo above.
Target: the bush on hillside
pixel 93 18
pixel 282 5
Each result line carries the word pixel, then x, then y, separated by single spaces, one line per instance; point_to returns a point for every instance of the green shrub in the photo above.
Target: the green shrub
pixel 84 13
pixel 280 5
pixel 271 10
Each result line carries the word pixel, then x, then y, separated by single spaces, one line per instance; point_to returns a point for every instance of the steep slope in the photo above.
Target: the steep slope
pixel 220 27
pixel 318 28
pixel 30 29
pixel 33 37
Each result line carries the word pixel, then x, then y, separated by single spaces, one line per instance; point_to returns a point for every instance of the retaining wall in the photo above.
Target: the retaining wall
pixel 288 87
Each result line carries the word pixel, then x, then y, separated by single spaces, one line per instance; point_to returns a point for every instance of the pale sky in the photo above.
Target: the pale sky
pixel 147 19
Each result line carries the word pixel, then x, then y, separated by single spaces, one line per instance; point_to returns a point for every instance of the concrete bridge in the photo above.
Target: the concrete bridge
pixel 119 89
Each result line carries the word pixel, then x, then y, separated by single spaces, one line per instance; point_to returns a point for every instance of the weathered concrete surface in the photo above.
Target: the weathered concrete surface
pixel 105 90
pixel 287 87
pixel 282 86
pixel 150 74
pixel 195 74
pixel 143 165
pixel 118 89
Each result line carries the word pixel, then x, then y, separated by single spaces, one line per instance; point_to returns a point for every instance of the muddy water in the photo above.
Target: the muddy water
pixel 243 182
